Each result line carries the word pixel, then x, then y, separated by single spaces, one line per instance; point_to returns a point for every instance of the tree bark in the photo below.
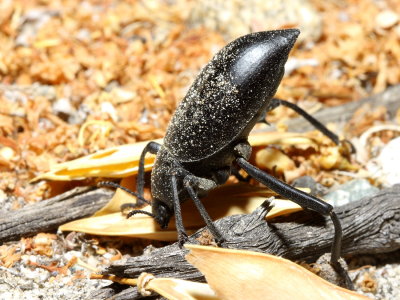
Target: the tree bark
pixel 47 215
pixel 370 225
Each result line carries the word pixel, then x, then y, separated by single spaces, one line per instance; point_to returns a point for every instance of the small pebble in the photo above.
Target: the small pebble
pixel 351 191
pixel 386 19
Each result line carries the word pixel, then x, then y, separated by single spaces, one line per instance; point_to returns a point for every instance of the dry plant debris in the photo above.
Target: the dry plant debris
pixel 256 275
pixel 260 275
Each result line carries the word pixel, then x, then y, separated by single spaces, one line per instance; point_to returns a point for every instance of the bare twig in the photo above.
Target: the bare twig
pixel 47 215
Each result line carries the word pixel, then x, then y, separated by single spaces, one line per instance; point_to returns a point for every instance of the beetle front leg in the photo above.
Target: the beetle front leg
pixel 191 181
pixel 306 201
pixel 153 148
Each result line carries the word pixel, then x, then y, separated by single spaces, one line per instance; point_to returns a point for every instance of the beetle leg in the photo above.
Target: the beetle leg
pixel 275 102
pixel 151 147
pixel 182 236
pixel 317 124
pixel 117 186
pixel 190 181
pixel 306 201
pixel 301 198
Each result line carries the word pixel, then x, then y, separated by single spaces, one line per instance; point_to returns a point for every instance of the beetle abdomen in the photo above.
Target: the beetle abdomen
pixel 228 93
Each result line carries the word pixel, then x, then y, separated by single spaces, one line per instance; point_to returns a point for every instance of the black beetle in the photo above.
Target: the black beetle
pixel 207 136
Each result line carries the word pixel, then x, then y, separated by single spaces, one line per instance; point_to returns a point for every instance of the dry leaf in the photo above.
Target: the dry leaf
pixel 42 243
pixel 120 161
pixel 333 158
pixel 223 201
pixel 239 274
pixel 123 161
pixel 274 159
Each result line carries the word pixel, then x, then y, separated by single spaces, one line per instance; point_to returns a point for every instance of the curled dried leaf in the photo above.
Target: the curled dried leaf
pixel 239 274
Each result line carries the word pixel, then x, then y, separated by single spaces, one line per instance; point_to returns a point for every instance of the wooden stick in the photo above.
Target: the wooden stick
pixel 47 215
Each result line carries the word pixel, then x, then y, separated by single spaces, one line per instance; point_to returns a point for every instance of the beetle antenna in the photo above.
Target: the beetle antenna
pixel 117 186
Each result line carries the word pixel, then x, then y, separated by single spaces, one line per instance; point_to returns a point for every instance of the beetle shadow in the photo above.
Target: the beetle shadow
pixel 306 222
pixel 303 217
pixel 227 200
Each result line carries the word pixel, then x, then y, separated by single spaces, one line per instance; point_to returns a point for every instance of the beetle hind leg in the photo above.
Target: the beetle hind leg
pixel 275 102
pixel 306 201
pixel 317 124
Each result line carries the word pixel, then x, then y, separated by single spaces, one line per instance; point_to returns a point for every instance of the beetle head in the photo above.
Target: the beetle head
pixel 256 61
pixel 161 212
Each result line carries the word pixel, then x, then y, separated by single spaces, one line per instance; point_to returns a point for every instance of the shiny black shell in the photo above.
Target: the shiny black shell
pixel 228 93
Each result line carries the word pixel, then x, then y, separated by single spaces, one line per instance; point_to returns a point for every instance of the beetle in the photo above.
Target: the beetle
pixel 207 136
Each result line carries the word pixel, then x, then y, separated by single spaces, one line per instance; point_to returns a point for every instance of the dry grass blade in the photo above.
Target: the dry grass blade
pixel 238 274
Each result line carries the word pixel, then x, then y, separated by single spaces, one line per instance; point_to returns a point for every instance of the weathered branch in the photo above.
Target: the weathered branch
pixel 370 225
pixel 47 215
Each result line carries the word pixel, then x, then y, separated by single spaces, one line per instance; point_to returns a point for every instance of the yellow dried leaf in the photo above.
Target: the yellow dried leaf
pixel 47 43
pixel 123 161
pixel 332 158
pixel 279 138
pixel 239 274
pixel 120 161
pixel 274 159
pixel 223 201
